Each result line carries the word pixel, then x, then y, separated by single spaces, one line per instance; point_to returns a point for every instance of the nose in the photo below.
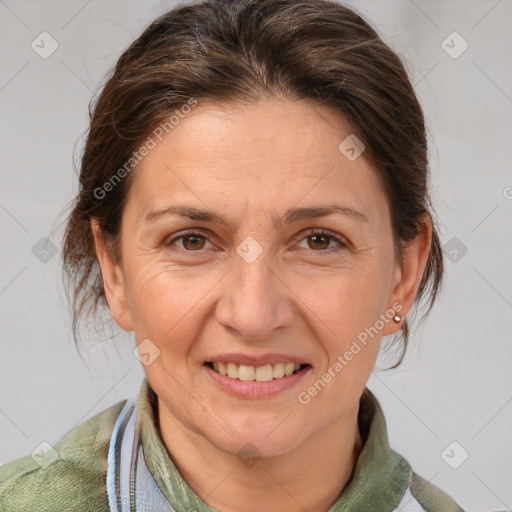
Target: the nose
pixel 255 299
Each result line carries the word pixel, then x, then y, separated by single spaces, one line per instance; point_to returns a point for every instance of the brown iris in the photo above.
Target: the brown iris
pixel 316 237
pixel 196 241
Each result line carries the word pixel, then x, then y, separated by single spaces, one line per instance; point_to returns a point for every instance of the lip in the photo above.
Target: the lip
pixel 254 389
pixel 249 360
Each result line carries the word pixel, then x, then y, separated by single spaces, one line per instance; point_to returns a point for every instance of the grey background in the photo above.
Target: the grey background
pixel 455 384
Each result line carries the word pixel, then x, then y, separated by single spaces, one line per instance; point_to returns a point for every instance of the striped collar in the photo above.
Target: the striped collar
pixel 379 481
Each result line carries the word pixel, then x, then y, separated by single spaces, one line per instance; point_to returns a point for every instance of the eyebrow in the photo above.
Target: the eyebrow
pixel 291 215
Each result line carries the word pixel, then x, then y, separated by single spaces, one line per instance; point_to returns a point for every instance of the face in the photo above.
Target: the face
pixel 265 278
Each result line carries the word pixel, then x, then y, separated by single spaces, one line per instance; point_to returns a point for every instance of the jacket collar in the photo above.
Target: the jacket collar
pixel 379 481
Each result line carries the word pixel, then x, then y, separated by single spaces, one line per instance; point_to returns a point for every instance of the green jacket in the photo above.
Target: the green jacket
pixel 76 479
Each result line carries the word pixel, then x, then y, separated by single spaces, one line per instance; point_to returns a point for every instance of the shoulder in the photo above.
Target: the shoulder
pixel 427 497
pixel 74 481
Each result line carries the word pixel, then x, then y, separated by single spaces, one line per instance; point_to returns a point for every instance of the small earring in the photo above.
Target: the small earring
pixel 397 318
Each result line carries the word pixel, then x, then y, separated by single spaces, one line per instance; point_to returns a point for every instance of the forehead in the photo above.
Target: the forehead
pixel 260 156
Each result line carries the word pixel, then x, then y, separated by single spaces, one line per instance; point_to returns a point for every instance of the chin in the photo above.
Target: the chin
pixel 260 440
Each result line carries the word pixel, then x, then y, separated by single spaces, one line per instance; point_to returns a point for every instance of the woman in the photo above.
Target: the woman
pixel 254 206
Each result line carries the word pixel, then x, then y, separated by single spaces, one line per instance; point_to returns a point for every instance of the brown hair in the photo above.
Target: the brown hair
pixel 245 50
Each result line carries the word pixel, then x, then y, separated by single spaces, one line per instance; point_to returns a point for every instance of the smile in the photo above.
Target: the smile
pixel 265 373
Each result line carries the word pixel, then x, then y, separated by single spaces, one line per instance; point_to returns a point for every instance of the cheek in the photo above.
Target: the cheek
pixel 163 301
pixel 345 326
pixel 346 301
pixel 347 308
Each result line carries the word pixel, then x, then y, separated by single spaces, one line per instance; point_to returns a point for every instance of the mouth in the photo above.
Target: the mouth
pixel 264 373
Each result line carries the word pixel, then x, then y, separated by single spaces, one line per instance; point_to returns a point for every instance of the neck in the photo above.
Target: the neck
pixel 284 482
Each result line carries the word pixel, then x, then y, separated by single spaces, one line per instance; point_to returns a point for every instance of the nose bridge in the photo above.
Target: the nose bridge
pixel 254 278
pixel 254 301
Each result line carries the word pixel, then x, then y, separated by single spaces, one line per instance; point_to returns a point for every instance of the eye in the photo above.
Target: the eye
pixel 192 241
pixel 321 238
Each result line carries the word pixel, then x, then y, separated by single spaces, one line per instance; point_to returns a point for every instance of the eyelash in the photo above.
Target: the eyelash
pixel 325 232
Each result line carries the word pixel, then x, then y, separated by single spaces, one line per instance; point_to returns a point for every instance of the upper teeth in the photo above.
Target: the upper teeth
pixel 258 373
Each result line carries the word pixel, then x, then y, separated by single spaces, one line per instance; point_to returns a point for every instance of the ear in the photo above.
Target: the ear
pixel 113 281
pixel 408 278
